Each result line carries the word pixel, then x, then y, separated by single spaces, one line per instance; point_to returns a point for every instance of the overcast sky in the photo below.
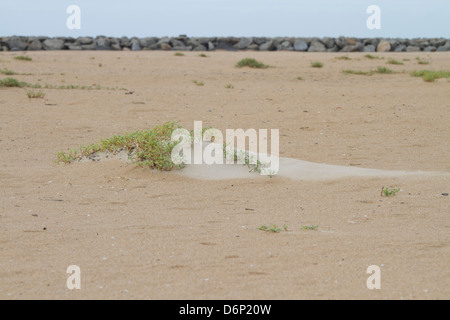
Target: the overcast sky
pixel 297 18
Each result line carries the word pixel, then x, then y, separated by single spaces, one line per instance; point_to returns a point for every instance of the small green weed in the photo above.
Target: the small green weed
pixel 272 228
pixel 387 192
pixel 310 227
pixel 199 83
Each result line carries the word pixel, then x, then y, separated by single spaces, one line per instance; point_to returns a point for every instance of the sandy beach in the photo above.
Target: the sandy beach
pixel 138 233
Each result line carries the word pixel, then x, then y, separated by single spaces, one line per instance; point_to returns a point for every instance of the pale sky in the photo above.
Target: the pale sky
pixel 294 18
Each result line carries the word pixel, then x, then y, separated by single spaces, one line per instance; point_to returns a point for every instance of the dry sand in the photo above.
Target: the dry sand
pixel 141 234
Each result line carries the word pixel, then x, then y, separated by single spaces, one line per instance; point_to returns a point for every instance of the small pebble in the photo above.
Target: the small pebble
pixel 445 194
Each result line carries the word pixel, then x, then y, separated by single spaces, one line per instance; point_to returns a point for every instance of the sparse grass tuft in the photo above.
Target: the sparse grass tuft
pixel 383 70
pixel 198 83
pixel 34 95
pixel 316 64
pixel 393 61
pixel 252 63
pixel 429 75
pixel 7 72
pixel 229 86
pixel 23 58
pixel 358 72
pixel 372 57
pixel 178 54
pixel 343 58
pixel 299 78
pixel 203 55
pixel 422 61
pixel 310 227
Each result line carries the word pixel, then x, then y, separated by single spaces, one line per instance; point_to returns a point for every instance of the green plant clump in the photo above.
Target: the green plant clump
pixel 429 75
pixel 272 228
pixel 23 58
pixel 11 82
pixel 252 63
pixel 316 64
pixel 146 148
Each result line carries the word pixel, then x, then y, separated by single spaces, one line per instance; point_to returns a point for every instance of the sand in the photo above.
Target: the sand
pixel 137 233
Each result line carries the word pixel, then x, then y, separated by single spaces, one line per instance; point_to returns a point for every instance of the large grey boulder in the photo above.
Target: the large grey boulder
pixel 53 44
pixel 412 48
pixel 92 46
pixel 370 48
pixel 125 42
pixel 148 42
pixel 334 49
pixel 135 45
pixel 430 49
pixel 72 46
pixel 244 43
pixel 200 47
pixel 85 40
pixel 284 45
pixel 103 44
pixel 438 42
pixel 17 44
pixel 176 43
pixel 317 46
pixel 268 46
pixel 353 48
pixel 300 45
pixel 329 42
pixel 400 48
pixel 35 45
pixel 445 47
